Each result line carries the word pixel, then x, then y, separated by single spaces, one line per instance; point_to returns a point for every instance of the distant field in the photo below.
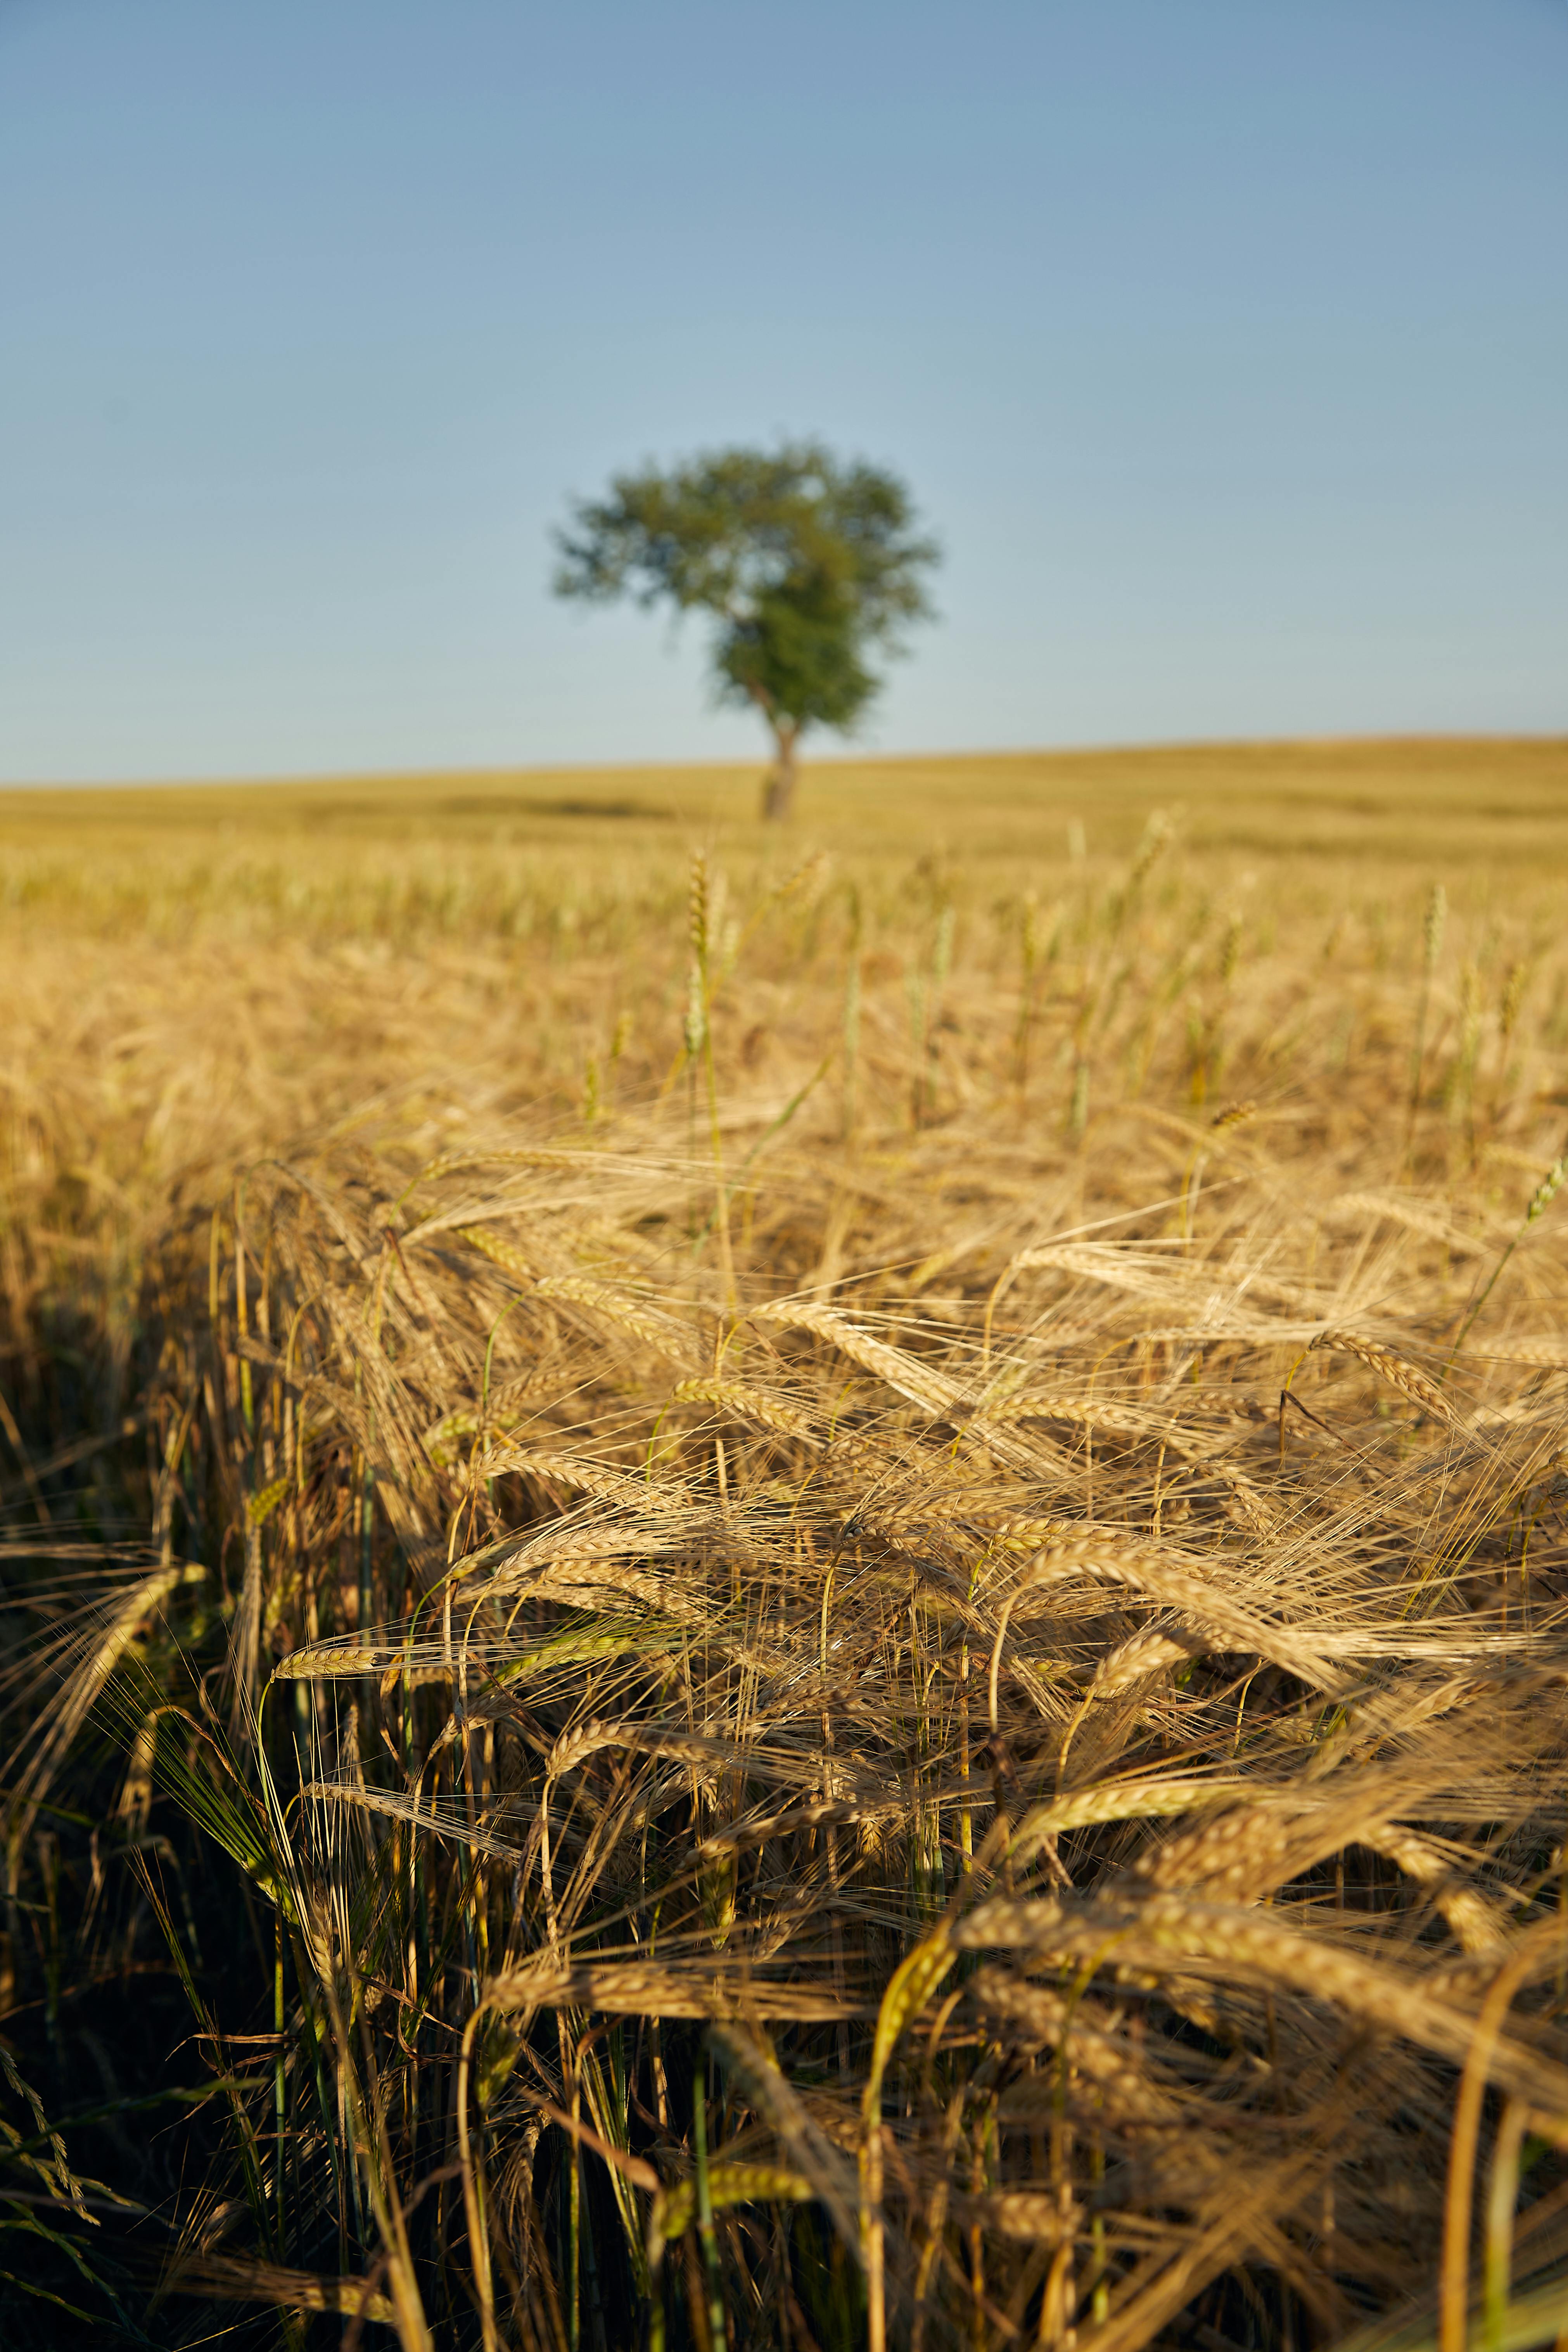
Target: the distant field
pixel 801 1590
pixel 1489 804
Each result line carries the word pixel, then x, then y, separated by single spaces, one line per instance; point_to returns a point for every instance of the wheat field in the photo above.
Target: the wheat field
pixel 789 1591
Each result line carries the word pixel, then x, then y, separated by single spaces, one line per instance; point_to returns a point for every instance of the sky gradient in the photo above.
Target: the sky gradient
pixel 1224 343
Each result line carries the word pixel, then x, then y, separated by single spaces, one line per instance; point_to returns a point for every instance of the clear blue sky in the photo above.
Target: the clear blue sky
pixel 1223 342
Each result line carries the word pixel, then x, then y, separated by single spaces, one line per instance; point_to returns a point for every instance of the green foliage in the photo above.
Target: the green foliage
pixel 807 567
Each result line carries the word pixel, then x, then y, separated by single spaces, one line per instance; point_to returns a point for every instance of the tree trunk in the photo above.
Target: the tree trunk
pixel 778 792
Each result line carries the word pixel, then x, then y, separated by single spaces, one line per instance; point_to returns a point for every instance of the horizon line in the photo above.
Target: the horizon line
pixel 1155 747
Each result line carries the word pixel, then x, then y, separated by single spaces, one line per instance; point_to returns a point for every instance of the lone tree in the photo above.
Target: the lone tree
pixel 806 567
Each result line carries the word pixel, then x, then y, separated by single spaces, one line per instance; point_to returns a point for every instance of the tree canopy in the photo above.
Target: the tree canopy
pixel 807 567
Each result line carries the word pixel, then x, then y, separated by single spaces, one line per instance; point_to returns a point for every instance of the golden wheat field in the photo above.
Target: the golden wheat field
pixel 789 1591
